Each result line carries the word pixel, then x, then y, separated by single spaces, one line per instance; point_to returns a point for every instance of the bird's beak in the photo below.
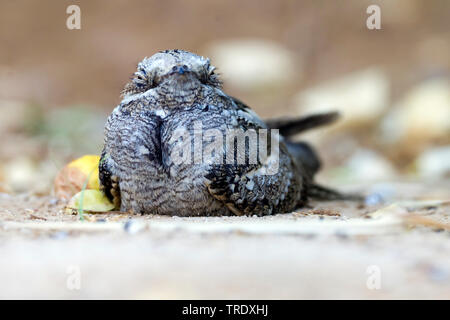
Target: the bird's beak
pixel 180 69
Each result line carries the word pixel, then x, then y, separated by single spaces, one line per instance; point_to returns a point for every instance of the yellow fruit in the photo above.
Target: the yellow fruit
pixel 71 179
pixel 88 165
pixel 91 201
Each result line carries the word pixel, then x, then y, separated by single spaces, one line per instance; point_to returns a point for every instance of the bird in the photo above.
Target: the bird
pixel 178 145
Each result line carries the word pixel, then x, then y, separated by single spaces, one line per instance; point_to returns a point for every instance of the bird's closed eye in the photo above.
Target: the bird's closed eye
pixel 211 78
pixel 140 82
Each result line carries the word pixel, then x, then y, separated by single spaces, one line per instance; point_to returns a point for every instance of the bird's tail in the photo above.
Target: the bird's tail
pixel 318 192
pixel 306 155
pixel 290 127
pixel 302 151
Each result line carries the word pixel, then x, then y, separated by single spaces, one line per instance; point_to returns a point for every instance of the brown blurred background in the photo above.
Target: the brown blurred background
pixel 57 85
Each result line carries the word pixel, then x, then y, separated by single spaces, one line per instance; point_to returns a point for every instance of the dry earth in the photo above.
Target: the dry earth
pixel 152 257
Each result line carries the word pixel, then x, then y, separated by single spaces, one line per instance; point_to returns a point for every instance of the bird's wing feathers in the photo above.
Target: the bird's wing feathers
pixel 249 116
pixel 109 183
pixel 249 188
pixel 288 126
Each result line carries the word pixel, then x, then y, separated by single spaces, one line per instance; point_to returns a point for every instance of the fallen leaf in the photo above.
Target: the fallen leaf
pixel 91 201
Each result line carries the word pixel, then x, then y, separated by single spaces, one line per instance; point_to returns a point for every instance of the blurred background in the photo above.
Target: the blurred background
pixel 282 58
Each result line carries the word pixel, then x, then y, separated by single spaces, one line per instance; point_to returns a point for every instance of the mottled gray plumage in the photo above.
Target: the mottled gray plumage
pixel 175 89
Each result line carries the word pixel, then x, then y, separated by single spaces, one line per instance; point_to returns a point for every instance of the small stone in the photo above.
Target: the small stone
pixel 239 60
pixel 360 97
pixel 21 174
pixel 380 194
pixel 434 163
pixel 53 201
pixel 132 226
pixel 374 199
pixel 367 165
pixel 420 117
pixel 61 235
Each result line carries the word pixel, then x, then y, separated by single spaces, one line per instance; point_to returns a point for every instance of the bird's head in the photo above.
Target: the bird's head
pixel 175 71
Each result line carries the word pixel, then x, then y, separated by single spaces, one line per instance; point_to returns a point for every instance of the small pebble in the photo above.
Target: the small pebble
pixel 374 199
pixel 59 235
pixel 53 201
pixel 341 235
pixel 132 226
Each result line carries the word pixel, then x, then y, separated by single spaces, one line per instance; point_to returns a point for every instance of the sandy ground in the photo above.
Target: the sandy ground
pixel 187 263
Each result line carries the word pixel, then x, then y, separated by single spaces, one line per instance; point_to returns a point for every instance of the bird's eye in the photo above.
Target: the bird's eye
pixel 140 82
pixel 207 74
pixel 211 78
pixel 143 81
pixel 204 78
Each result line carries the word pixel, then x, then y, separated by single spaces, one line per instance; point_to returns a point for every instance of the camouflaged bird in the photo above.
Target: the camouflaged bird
pixel 140 169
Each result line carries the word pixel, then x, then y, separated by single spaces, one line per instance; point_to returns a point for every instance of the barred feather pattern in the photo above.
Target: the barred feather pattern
pixel 176 90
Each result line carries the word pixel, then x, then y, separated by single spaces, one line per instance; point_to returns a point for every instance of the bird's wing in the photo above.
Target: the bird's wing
pixel 247 114
pixel 301 151
pixel 288 126
pixel 109 183
pixel 255 188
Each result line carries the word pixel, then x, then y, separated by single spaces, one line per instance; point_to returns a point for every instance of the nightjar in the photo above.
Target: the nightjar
pixel 178 145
